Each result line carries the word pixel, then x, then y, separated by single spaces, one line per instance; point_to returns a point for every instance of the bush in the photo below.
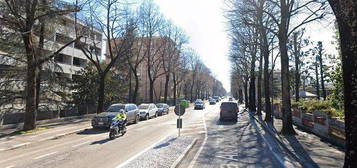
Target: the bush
pixel 324 106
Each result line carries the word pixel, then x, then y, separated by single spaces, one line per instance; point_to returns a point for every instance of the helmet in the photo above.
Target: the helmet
pixel 121 111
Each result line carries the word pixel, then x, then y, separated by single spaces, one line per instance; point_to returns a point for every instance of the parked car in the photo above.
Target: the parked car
pixel 229 111
pixel 230 99
pixel 147 111
pixel 199 104
pixel 212 101
pixel 162 108
pixel 103 120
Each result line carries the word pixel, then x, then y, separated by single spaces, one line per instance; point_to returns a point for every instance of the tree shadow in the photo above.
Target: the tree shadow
pixel 165 144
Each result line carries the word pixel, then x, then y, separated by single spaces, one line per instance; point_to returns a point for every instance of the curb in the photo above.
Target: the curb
pixel 42 140
pixel 282 144
pixel 180 158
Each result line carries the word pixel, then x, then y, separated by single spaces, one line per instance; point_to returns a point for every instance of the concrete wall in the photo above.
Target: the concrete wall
pixel 318 123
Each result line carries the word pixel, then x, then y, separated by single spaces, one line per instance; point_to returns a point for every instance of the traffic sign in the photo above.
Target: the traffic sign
pixel 180 110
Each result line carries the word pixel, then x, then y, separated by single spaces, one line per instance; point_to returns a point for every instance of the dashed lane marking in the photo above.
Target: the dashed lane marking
pixel 45 155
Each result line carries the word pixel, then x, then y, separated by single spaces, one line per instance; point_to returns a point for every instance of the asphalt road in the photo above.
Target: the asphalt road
pixel 92 148
pixel 230 145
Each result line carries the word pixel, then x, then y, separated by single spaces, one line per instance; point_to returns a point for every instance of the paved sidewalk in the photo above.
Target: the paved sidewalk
pixel 310 149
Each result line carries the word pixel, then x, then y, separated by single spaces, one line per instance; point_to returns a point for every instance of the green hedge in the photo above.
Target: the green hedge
pixel 324 106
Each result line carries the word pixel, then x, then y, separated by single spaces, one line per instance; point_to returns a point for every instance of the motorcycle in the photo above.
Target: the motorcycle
pixel 117 127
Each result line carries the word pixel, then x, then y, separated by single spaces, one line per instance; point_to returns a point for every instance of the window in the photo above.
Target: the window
pixel 62 39
pixel 115 108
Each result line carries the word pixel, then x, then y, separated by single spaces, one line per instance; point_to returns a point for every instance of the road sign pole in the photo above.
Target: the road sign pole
pixel 179 129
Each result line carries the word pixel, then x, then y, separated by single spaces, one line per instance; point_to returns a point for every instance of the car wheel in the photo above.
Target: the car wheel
pixel 136 119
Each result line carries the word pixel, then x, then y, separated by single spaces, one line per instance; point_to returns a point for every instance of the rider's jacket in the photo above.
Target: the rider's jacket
pixel 120 116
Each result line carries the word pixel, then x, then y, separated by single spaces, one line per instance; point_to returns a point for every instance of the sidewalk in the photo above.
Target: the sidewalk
pixel 309 149
pixel 10 140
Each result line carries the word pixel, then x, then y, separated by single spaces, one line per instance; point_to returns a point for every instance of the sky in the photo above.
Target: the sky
pixel 203 21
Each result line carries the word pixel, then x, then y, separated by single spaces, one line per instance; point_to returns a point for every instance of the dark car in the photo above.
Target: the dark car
pixel 162 108
pixel 229 111
pixel 103 120
pixel 216 98
pixel 199 104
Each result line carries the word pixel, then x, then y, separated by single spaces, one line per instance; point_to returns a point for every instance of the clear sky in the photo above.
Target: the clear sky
pixel 204 23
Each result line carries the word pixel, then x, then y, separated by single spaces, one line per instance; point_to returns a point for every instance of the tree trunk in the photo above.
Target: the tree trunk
pixel 151 91
pixel 346 15
pixel 30 110
pixel 321 72
pixel 246 97
pixel 259 110
pixel 167 80
pixel 130 95
pixel 285 83
pixel 297 69
pixel 101 90
pixel 240 96
pixel 136 89
pixel 252 105
pixel 317 79
pixel 175 87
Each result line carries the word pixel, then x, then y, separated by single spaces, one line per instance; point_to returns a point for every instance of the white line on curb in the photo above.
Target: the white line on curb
pixel 179 159
pixel 12 166
pixel 202 145
pixel 45 155
pixel 122 165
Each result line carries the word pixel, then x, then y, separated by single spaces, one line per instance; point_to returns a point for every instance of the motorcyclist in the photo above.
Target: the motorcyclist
pixel 122 116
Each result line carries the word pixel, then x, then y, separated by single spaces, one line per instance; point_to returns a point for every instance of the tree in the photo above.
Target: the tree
pixel 346 16
pixel 287 10
pixel 118 31
pixel 24 18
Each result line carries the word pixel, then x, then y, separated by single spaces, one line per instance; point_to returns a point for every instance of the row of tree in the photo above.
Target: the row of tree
pixel 137 37
pixel 262 31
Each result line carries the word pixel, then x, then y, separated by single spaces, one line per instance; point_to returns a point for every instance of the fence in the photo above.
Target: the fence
pixel 318 123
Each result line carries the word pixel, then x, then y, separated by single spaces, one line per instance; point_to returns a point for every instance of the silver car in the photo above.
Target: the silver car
pixel 147 111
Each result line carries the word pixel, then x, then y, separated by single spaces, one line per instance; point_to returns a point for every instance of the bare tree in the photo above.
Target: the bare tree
pixel 23 17
pixel 118 32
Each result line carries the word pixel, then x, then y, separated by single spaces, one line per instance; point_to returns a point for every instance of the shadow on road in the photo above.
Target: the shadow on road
pixel 219 122
pixel 92 131
pixel 100 142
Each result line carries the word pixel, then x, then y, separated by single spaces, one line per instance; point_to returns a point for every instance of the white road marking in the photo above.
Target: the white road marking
pixel 80 144
pixel 202 145
pixel 12 166
pixel 23 144
pixel 45 155
pixel 122 165
pixel 45 149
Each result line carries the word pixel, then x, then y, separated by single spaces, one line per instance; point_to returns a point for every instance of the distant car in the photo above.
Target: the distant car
pixel 199 104
pixel 162 108
pixel 229 111
pixel 230 99
pixel 147 111
pixel 216 98
pixel 212 101
pixel 103 120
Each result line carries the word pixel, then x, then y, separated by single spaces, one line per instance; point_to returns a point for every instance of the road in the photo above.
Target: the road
pixel 230 145
pixel 91 148
pixel 219 144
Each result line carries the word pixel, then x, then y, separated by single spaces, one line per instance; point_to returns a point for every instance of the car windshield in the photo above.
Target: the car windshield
pixel 144 106
pixel 115 108
pixel 160 105
pixel 199 102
